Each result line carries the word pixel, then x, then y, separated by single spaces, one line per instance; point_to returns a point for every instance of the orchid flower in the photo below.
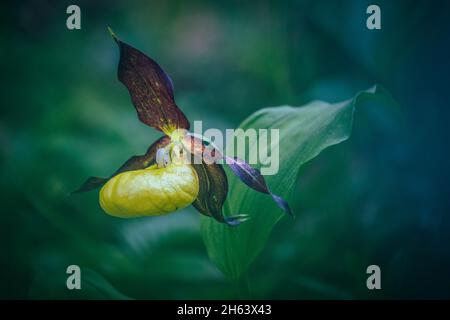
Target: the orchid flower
pixel 162 181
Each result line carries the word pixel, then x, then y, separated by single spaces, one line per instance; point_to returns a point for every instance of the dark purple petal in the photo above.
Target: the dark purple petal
pixel 213 192
pixel 134 163
pixel 199 150
pixel 150 88
pixel 146 160
pixel 249 175
pixel 282 204
pixel 213 184
pixel 90 184
pixel 253 178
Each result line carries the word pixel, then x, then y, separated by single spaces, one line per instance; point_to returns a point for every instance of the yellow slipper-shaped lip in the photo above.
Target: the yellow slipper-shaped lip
pixel 150 192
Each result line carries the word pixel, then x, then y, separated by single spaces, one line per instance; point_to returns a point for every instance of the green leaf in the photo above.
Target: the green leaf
pixel 304 133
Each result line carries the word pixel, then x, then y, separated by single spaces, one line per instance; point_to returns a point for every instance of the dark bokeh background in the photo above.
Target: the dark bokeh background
pixel 379 198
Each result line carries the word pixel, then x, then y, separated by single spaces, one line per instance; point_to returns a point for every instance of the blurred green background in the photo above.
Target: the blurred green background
pixel 379 198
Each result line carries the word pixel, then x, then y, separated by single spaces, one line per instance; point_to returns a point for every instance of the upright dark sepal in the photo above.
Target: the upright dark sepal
pixel 134 163
pixel 253 178
pixel 150 88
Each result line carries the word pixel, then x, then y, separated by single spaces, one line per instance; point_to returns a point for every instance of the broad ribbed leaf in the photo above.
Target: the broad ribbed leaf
pixel 150 88
pixel 134 163
pixel 304 133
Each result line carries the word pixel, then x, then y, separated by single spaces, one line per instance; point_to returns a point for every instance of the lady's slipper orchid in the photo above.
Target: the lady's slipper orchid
pixel 162 181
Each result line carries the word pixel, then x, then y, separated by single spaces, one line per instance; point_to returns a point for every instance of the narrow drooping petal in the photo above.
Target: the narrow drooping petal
pixel 150 88
pixel 146 160
pixel 134 163
pixel 250 176
pixel 213 192
pixel 253 178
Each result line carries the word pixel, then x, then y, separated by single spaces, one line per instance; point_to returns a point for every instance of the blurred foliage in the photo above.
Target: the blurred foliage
pixel 379 198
